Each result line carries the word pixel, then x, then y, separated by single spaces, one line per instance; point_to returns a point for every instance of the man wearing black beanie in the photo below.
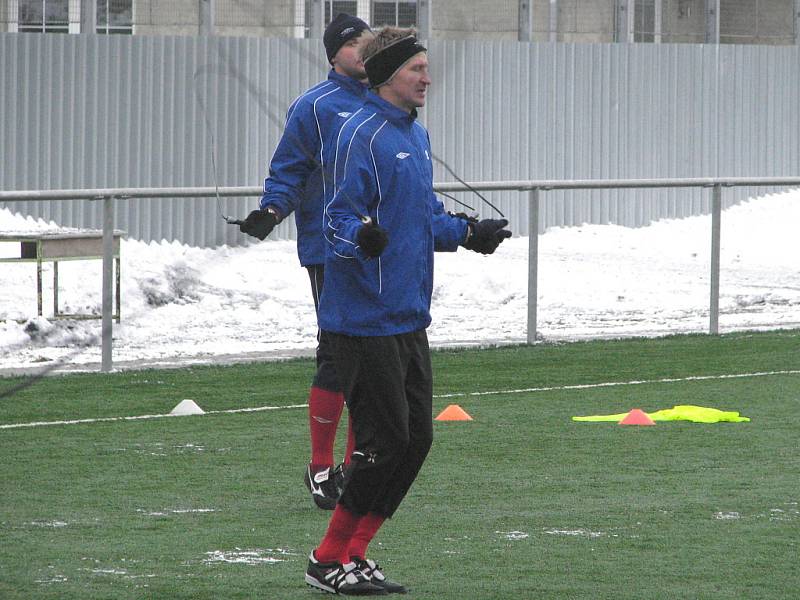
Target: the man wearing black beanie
pixel 299 175
pixel 341 30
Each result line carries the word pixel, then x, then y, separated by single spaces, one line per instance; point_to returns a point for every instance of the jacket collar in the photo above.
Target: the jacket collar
pixel 353 85
pixel 388 110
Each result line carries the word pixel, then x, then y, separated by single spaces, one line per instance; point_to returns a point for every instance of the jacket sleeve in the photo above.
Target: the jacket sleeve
pixel 355 189
pixel 448 232
pixel 295 158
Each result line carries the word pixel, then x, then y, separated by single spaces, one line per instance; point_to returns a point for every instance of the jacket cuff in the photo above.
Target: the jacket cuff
pixel 468 234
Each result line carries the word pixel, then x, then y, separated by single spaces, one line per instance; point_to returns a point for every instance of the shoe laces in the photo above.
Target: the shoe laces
pixel 339 574
pixel 370 569
pixel 353 574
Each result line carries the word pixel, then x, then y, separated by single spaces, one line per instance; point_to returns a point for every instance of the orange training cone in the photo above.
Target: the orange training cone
pixel 453 413
pixel 637 417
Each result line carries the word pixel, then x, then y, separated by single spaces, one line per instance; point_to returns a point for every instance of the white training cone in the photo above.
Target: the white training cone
pixel 187 407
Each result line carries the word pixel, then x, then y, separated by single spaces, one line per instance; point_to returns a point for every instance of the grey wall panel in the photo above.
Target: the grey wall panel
pixel 115 111
pixel 94 111
pixel 622 111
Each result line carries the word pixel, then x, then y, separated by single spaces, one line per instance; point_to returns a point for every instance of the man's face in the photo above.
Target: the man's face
pixel 348 59
pixel 409 86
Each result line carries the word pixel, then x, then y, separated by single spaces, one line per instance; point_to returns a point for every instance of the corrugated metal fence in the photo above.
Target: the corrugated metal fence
pixel 114 111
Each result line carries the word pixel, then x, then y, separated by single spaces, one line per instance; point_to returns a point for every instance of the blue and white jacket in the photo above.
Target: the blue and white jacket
pixel 383 170
pixel 299 172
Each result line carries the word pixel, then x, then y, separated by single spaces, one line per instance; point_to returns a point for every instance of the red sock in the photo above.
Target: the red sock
pixel 367 527
pixel 351 441
pixel 324 412
pixel 334 546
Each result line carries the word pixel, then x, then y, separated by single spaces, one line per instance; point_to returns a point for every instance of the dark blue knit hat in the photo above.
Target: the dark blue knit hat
pixel 342 29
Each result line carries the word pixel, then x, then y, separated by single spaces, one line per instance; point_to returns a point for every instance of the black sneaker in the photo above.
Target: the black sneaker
pixel 323 487
pixel 336 578
pixel 372 571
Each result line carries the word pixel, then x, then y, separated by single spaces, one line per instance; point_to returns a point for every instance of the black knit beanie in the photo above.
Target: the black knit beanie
pixel 342 29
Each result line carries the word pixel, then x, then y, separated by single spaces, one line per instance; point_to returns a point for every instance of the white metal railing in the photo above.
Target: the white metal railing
pixel 533 187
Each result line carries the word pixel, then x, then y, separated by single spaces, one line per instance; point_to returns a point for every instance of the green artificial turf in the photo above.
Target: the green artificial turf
pixel 521 502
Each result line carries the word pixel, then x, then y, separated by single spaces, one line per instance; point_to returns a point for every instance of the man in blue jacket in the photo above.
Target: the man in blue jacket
pixel 300 174
pixel 383 224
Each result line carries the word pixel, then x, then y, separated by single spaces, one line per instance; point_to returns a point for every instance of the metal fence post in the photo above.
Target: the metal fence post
pixel 316 19
pixel 525 21
pixel 658 18
pixel 88 16
pixel 716 219
pixel 797 22
pixel 108 267
pixel 712 21
pixel 533 262
pixel 424 19
pixel 206 17
pixel 625 22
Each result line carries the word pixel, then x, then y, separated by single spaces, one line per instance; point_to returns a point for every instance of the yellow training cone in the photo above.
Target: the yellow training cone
pixel 453 413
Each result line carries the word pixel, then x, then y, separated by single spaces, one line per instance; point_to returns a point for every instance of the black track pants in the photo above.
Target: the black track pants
pixel 388 387
pixel 325 377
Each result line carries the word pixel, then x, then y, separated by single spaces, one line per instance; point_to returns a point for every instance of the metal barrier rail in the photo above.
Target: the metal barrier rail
pixel 533 187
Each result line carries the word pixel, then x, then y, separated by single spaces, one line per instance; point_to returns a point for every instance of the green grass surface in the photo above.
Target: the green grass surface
pixel 519 503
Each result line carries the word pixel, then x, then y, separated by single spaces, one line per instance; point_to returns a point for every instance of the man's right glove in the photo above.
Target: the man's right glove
pixel 259 223
pixel 372 239
pixel 485 236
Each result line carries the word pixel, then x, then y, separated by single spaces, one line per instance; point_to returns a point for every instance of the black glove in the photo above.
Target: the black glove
pixel 259 223
pixel 485 236
pixel 372 239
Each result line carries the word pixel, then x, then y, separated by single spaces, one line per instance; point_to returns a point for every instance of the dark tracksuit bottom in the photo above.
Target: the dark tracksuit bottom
pixel 388 386
pixel 325 377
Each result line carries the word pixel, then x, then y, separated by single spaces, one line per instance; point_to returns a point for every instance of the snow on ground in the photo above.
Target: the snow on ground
pixel 182 302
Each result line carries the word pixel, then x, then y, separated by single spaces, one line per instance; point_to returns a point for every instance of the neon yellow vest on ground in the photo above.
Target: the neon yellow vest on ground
pixel 683 412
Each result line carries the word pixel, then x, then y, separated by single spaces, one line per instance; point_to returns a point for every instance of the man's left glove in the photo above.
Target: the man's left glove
pixel 259 223
pixel 485 236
